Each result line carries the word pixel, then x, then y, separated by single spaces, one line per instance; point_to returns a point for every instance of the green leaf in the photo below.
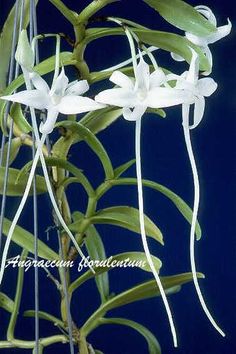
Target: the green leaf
pixel 184 209
pixel 85 134
pixel 183 16
pixel 132 259
pixel 17 189
pixel 6 303
pixel 45 316
pixel 153 345
pixel 148 289
pixel 157 111
pixel 128 218
pixel 6 41
pixel 123 168
pixel 14 150
pixel 19 118
pixel 96 251
pixel 168 41
pixel 25 240
pixel 96 121
pixel 142 291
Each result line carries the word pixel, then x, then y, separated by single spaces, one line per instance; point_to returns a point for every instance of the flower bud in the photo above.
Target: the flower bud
pixel 24 54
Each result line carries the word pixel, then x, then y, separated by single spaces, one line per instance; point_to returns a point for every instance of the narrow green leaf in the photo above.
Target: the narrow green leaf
pixel 128 218
pixel 168 41
pixel 96 251
pixel 142 291
pixel 6 41
pixel 183 16
pixel 123 168
pixel 131 259
pixel 45 316
pixel 153 345
pixel 17 189
pixel 14 150
pixel 19 118
pixel 148 289
pixel 85 134
pixel 184 209
pixel 6 303
pixel 157 111
pixel 25 240
pixel 97 121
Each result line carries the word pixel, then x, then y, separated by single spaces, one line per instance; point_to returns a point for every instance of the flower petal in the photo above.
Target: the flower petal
pixel 200 41
pixel 157 78
pixel 33 98
pixel 77 104
pixel 210 59
pixel 118 97
pixel 134 115
pixel 122 80
pixel 199 108
pixel 176 57
pixel 60 84
pixel 77 87
pixel 48 126
pixel 206 87
pixel 222 32
pixel 192 75
pixel 206 12
pixel 142 74
pixel 166 97
pixel 38 82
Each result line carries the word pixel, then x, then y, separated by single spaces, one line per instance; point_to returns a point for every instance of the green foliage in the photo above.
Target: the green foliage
pixel 25 240
pixel 182 15
pixel 153 345
pixel 16 188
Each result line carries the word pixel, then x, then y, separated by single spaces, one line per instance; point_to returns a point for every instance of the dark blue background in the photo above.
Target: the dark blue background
pixel 165 161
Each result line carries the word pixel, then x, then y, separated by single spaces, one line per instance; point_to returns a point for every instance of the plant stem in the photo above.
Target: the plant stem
pixel 91 9
pixel 24 344
pixel 70 15
pixel 19 287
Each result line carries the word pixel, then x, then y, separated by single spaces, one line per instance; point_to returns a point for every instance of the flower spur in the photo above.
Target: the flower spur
pixel 196 89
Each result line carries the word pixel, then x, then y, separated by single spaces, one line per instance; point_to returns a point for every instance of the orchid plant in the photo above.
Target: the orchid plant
pixel 140 88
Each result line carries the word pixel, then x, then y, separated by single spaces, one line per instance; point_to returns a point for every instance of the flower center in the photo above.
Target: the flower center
pixel 141 94
pixel 56 99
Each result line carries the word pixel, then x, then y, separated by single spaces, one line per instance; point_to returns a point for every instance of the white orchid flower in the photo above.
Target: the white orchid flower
pixel 203 42
pixel 63 97
pixel 198 90
pixel 141 92
pixel 135 95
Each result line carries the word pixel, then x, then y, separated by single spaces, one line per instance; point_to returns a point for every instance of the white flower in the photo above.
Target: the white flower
pixel 63 97
pixel 140 93
pixel 203 42
pixel 196 89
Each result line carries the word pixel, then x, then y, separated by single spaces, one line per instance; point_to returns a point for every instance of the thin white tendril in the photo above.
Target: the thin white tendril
pixel 185 113
pixel 142 227
pixel 129 61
